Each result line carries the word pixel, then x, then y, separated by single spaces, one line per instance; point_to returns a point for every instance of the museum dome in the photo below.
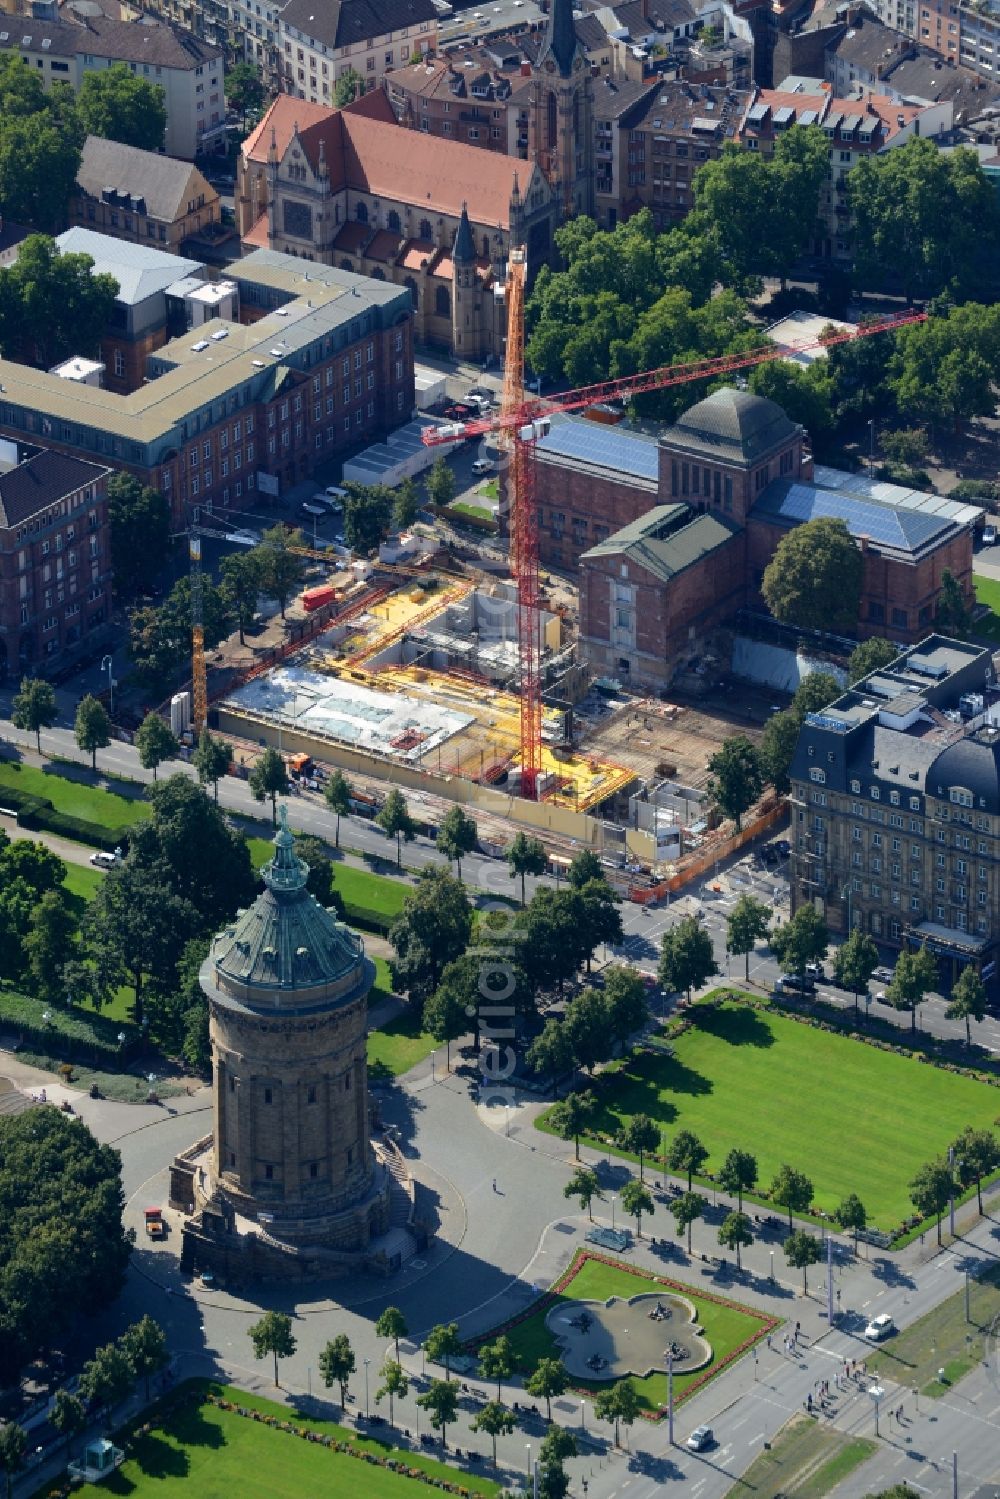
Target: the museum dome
pixel 734 423
pixel 287 951
pixel 972 766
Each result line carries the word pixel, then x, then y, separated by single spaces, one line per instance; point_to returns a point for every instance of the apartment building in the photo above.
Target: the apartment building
pixel 190 72
pixel 321 364
pixel 896 807
pixel 55 557
pixel 142 196
pixel 318 44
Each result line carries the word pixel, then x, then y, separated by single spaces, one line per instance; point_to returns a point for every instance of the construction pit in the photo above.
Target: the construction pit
pixel 424 679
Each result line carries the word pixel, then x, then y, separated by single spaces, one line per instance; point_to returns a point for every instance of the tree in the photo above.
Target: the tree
pixel 496 1420
pixel 931 1189
pixel 914 974
pixel 120 106
pixel 350 85
pixel 968 1000
pixel 135 930
pixel 738 1173
pixel 944 370
pixel 584 867
pixel 441 1403
pixel 735 1232
pixel 557 1445
pixel 273 1334
pixel 687 959
pixel 953 616
pixel 441 1345
pixel 145 1346
pixel 551 1051
pixel 34 708
pixel 625 998
pixel 92 728
pixel 735 778
pixel 792 1190
pixel 211 760
pixel 619 1403
pixel 241 581
pixel 446 1014
pixel 155 742
pixel 587 1020
pixel 40 140
pixel 686 1153
pixel 245 91
pixel 394 1383
pixel 854 962
pixel 392 1324
pixel 814 693
pixel 69 1416
pixel 570 1116
pixel 367 515
pixel 395 821
pixel 13 1450
pixel 638 1135
pixel 456 836
pixel 337 795
pixel 52 304
pixel 801 1251
pixel 160 639
pixel 804 394
pixel 50 945
pixel 851 1214
pixel 601 916
pixel 924 220
pixel 269 778
pixel 804 939
pixel 814 578
pixel 685 1209
pixel 777 748
pixel 747 924
pixel 431 931
pixel 140 532
pixel 107 1378
pixel 441 483
pixel 337 1362
pixel 871 655
pixel 549 1378
pixel 281 568
pixel 526 855
pixel 636 1200
pixel 977 1153
pixel 555 940
pixel 405 505
pixel 497 1361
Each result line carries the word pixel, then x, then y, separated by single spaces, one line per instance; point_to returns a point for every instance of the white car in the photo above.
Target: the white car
pixel 482 466
pixel 700 1438
pixel 103 861
pixel 879 1328
pixel 989 536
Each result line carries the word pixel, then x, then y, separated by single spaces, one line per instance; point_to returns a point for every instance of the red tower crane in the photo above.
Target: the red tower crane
pixel 519 424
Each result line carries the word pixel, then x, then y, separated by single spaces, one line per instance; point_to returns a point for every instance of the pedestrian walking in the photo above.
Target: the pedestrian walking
pixel 769 1342
pixel 494 1184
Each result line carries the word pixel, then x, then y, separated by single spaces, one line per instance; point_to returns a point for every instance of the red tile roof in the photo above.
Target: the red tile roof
pixel 366 152
pixel 416 252
pixel 351 237
pixel 385 246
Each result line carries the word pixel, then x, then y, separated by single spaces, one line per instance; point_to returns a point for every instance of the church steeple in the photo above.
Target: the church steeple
pixel 561 41
pixel 464 251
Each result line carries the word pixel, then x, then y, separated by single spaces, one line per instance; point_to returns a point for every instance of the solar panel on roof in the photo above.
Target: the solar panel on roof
pixel 904 531
pixel 606 447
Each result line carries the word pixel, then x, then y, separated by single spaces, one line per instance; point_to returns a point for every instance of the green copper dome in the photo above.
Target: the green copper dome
pixel 286 952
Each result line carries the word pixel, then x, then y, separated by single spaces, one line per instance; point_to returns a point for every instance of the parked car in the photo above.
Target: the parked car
pixel 482 466
pixel 881 998
pixel 700 1438
pixel 989 536
pixel 880 1328
pixel 883 975
pixel 815 971
pixel 311 508
pixel 794 983
pixel 103 861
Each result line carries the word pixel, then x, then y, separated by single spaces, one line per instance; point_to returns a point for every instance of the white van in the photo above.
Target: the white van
pixel 482 466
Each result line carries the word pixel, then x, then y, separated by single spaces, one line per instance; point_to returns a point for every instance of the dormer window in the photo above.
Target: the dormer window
pixel 875 793
pixel 815 774
pixel 961 797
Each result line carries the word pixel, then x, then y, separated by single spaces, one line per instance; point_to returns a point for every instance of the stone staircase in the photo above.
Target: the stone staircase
pixel 12 1100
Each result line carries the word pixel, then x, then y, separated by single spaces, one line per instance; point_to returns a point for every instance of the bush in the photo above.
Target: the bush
pixel 367 919
pixel 38 814
pixel 70 1033
pixel 979 491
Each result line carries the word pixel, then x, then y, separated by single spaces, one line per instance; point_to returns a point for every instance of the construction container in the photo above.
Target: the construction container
pixel 315 598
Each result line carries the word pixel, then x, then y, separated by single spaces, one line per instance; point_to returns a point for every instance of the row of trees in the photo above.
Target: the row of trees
pixel 971 1158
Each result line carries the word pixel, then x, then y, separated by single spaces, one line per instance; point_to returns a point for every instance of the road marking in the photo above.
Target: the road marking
pixel 758 1438
pixel 737 1424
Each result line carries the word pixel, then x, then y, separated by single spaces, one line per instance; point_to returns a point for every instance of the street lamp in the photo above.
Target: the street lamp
pixel 367 1362
pixel 433 1061
pixel 614 1199
pixel 527 1486
pixel 845 894
pixel 106 665
pixel 583 1415
pixel 670 1396
pixel 772 1264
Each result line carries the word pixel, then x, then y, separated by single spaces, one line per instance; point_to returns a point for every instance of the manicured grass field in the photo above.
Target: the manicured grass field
pixel 380 894
pixel 398 1046
pixel 806 1461
pixel 76 799
pixel 988 593
pixel 938 1339
pixel 852 1117
pixel 82 882
pixel 727 1327
pixel 200 1449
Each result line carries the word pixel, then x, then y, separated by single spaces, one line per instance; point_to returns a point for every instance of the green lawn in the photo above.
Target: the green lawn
pixel 82 882
pixel 200 1449
pixel 477 512
pixel 727 1327
pixel 942 1339
pixel 806 1461
pixel 988 593
pixel 852 1117
pixel 75 798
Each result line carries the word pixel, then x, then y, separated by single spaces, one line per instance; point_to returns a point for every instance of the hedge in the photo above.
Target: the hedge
pixel 367 919
pixel 72 1034
pixel 39 815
